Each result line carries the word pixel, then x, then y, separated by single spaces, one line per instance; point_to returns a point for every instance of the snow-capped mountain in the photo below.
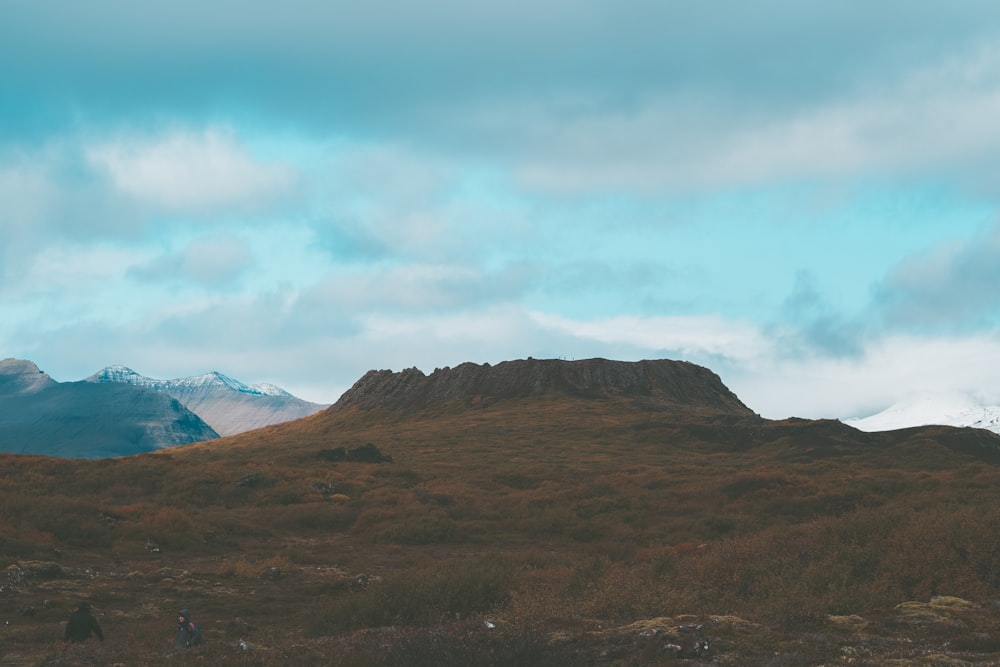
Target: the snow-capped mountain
pixel 227 405
pixel 125 375
pixel 39 415
pixel 941 409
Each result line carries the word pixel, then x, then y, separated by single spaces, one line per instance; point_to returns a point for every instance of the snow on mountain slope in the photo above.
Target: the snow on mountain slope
pixel 227 405
pixel 942 409
pixel 125 375
pixel 215 379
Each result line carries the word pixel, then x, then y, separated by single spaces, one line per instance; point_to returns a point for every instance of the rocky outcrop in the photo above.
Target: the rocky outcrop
pixel 676 384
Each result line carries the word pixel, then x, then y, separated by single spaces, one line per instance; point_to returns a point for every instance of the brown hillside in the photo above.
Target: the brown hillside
pixel 553 529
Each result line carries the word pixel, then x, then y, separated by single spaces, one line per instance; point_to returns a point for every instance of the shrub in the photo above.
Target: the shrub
pixel 446 591
pixel 253 480
pixel 515 480
pixel 749 483
pixel 245 569
pixel 426 530
pixel 463 644
pixel 77 526
pixel 324 518
pixel 366 453
pixel 172 527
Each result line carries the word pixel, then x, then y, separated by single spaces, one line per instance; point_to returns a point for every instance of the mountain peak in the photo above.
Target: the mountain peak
pixel 19 376
pixel 227 405
pixel 677 384
pixel 11 366
pixel 218 379
pixel 120 374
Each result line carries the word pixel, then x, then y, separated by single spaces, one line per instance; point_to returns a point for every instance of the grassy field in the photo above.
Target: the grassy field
pixel 550 531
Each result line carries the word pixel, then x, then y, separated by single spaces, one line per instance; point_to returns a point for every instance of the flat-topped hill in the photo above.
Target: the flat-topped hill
pixel 670 384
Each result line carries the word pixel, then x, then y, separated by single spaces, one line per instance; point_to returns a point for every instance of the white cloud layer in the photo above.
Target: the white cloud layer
pixel 891 369
pixel 201 172
pixel 940 119
pixel 701 336
pixel 211 261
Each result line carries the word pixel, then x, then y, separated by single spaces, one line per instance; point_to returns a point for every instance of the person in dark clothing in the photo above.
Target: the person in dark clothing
pixel 81 624
pixel 188 632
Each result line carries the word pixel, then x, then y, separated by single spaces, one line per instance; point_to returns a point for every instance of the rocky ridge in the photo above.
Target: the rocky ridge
pixel 679 385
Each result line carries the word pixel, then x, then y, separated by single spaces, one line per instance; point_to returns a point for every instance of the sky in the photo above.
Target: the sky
pixel 801 196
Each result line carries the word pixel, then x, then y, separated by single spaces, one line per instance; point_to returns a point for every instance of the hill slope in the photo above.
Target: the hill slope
pixel 82 420
pixel 557 523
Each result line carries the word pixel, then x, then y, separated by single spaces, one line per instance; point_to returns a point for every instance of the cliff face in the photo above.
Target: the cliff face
pixel 676 384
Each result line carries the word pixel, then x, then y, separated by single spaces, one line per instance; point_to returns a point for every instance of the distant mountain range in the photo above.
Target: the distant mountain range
pixel 225 404
pixel 118 412
pixel 939 409
pixel 85 420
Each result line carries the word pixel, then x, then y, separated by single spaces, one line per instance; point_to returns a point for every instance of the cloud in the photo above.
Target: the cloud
pixel 690 337
pixel 805 299
pixel 675 141
pixel 78 191
pixel 387 204
pixel 51 199
pixel 386 201
pixel 185 171
pixel 645 97
pixel 48 191
pixel 506 78
pixel 890 369
pixel 419 288
pixel 809 324
pixel 63 270
pixel 211 262
pixel 951 287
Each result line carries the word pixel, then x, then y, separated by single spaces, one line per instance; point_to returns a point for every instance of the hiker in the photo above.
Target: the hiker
pixel 188 632
pixel 81 624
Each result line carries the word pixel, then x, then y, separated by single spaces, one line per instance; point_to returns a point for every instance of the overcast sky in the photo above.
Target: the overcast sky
pixel 801 196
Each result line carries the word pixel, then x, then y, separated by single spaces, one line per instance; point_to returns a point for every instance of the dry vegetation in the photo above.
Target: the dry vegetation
pixel 585 532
